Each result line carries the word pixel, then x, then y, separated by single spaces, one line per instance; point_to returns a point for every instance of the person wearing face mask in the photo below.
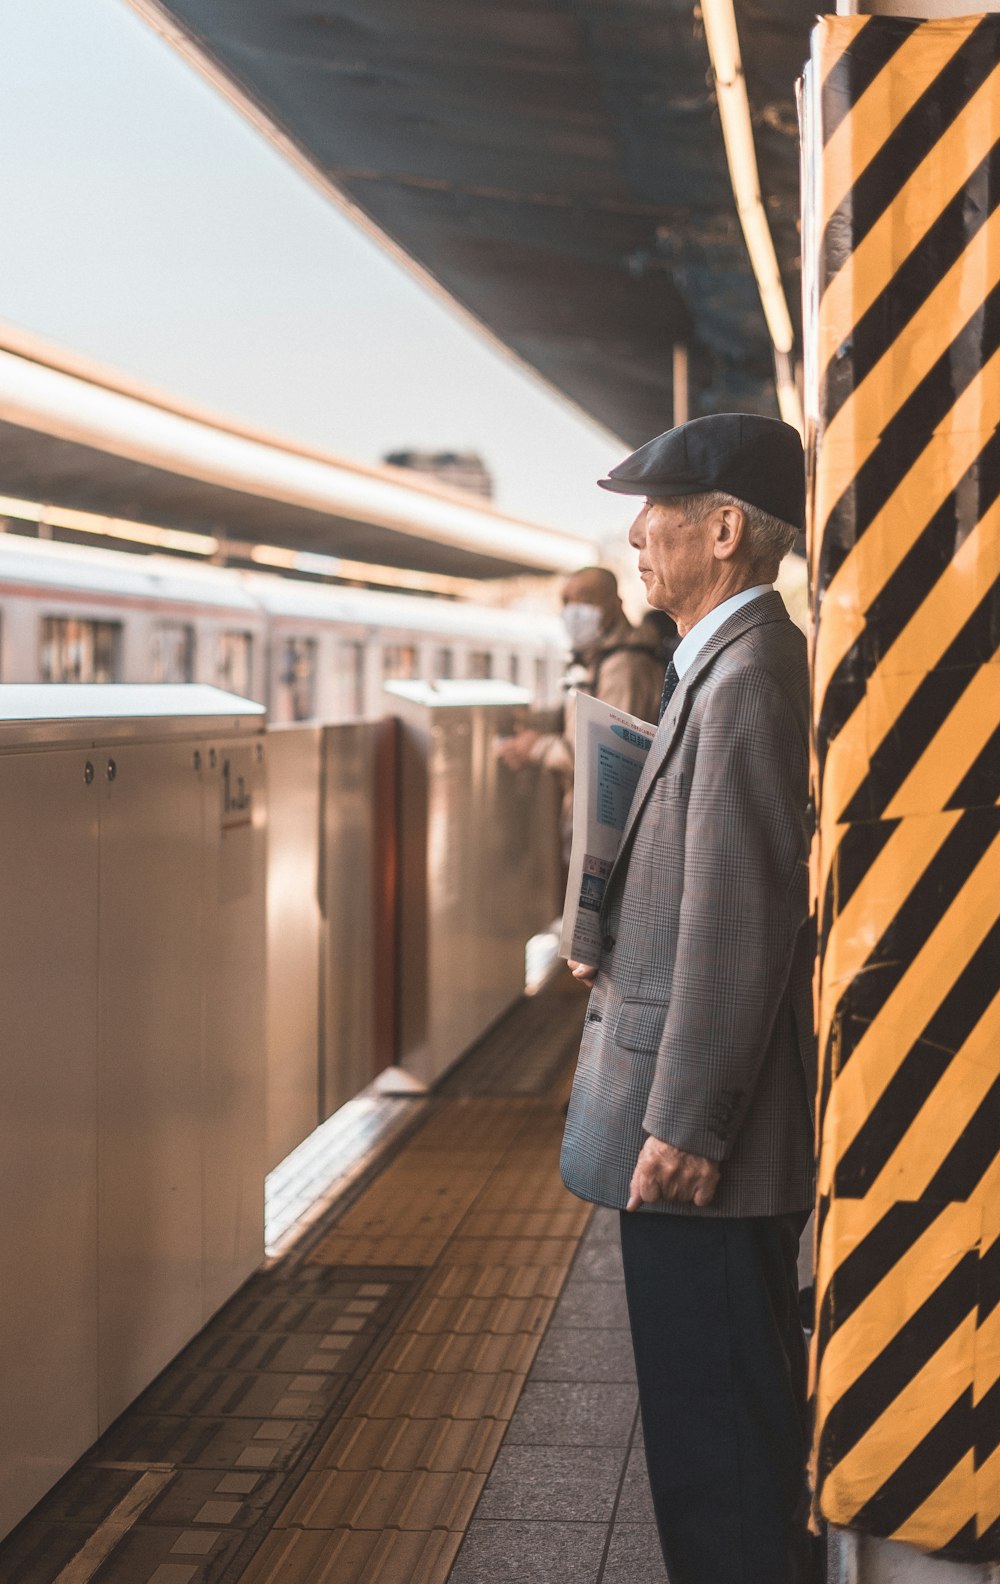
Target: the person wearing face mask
pixel 610 659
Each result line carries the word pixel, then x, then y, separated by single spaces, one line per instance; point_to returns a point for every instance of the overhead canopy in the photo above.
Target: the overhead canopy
pixel 557 166
pixel 75 437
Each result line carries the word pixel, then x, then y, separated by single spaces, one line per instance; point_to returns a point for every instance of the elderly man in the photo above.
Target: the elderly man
pixel 610 659
pixel 692 1105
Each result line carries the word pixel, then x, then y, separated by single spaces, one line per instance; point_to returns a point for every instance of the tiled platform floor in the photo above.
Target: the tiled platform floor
pixel 567 1498
pixel 433 1384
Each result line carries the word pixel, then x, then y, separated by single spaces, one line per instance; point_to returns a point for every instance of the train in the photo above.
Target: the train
pixel 308 651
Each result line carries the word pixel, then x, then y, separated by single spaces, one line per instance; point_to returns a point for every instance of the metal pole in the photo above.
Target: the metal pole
pixel 680 383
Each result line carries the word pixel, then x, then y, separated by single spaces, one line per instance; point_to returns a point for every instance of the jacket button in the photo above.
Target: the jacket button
pixel 594 1017
pixel 608 943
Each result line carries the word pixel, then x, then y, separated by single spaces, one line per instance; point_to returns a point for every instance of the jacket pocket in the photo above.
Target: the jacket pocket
pixel 640 1024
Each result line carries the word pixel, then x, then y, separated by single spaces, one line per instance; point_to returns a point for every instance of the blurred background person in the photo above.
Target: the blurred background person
pixel 620 664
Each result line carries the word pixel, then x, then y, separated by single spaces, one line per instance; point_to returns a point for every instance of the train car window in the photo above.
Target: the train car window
pixel 444 665
pixel 172 653
pixel 234 663
pixel 399 663
pixel 295 693
pixel 80 651
pixel 480 664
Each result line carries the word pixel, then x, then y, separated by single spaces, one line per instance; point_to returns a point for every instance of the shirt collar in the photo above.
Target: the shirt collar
pixel 695 640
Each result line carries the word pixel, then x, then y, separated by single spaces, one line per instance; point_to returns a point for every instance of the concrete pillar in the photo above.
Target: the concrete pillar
pixel 902 275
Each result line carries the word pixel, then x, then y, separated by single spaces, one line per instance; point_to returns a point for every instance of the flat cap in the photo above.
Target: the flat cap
pixel 759 460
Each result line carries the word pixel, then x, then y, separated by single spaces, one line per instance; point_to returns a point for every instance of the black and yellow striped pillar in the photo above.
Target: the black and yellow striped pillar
pixel 903 209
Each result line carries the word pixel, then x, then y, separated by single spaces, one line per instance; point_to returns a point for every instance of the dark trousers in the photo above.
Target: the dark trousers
pixel 721 1363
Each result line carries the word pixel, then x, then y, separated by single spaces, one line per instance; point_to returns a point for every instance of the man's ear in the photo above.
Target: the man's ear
pixel 729 530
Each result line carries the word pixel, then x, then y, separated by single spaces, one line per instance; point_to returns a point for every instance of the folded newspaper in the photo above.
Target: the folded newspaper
pixel 611 749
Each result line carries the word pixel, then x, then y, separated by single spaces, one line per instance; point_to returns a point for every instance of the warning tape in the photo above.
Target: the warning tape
pixel 903 182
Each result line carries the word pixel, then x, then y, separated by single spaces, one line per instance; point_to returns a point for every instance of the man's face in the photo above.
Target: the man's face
pixel 676 557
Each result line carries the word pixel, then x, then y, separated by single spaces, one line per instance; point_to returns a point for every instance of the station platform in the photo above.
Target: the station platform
pixel 431 1384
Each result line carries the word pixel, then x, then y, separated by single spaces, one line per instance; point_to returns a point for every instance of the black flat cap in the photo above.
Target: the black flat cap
pixel 759 460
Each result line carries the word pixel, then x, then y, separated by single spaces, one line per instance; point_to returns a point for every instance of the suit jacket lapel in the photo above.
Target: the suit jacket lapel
pixel 767 608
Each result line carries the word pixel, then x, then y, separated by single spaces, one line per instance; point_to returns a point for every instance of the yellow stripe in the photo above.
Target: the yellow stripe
pixel 988 1492
pixel 919 647
pixel 906 1012
pixel 953 750
pixel 961 290
pixel 947 1509
pixel 879 254
pixel 884 103
pixel 917 1274
pixel 911 1416
pixel 988 1189
pixel 834 36
pixel 875 904
pixel 949 454
pixel 943 1117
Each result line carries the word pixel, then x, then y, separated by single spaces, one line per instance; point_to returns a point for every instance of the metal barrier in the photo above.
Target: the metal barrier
pixel 132 1127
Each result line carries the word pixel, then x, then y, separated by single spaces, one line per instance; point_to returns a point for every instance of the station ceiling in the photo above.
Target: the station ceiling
pixel 557 167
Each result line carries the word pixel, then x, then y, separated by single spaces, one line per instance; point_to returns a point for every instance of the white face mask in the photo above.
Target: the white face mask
pixel 583 624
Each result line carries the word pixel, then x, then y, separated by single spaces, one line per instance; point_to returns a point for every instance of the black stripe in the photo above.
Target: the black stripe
pixel 913 1481
pixel 923 1067
pixel 985 1549
pixel 890 1118
pixel 914 280
pixel 859 847
pixel 869 1262
pixel 907 434
pixel 989 1281
pixel 966 1163
pixel 900 1361
pixel 969 997
pixel 859 66
pixel 905 590
pixel 907 932
pixel 907 145
pixel 988 1424
pixel 978 787
pixel 926 711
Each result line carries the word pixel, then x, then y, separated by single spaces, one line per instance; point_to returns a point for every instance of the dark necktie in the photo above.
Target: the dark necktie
pixel 670 682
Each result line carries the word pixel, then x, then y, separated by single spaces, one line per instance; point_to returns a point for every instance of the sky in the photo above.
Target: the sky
pixel 150 227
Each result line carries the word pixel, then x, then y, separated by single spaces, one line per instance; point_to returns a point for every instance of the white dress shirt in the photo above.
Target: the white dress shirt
pixel 698 636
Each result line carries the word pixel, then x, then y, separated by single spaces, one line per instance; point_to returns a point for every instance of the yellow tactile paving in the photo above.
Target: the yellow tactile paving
pixel 342 1249
pixel 413 1353
pixel 475 1198
pixel 382 1499
pixel 514 1251
pixel 354 1556
pixel 525 1190
pixel 496 1281
pixel 466 1394
pixel 464 1316
pixel 489 1125
pixel 439 1445
pixel 569 1222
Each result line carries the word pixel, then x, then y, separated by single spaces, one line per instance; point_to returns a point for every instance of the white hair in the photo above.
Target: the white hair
pixel 768 538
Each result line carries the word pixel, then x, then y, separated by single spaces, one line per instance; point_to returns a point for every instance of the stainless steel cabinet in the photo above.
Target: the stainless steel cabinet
pixel 131 1005
pixel 479 863
pixel 48 1141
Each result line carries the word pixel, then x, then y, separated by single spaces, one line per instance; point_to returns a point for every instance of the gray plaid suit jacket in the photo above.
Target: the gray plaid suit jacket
pixel 700 1029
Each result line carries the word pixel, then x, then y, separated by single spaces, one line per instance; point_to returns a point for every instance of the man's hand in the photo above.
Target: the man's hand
pixel 582 971
pixel 515 752
pixel 662 1172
